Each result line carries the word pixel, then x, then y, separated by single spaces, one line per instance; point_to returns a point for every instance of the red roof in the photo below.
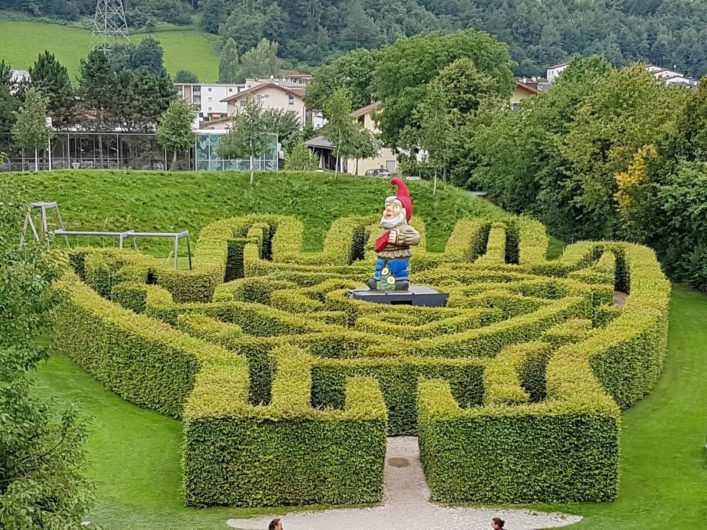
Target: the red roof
pixel 527 88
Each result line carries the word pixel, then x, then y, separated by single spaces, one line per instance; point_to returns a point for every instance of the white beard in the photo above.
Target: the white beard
pixel 389 224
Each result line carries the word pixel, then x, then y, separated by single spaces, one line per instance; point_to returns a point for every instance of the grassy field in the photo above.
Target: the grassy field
pixel 22 41
pixel 134 454
pixel 152 201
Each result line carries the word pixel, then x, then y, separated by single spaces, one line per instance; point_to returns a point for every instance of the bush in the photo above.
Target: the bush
pixel 285 453
pixel 276 370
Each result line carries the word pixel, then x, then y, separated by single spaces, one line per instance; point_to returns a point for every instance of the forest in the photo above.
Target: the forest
pixel 540 33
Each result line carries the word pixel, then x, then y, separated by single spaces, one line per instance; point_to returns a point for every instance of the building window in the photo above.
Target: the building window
pixel 209 89
pixel 242 103
pixel 230 90
pixel 209 108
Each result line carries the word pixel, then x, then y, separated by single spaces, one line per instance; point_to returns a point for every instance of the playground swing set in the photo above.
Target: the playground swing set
pixel 41 231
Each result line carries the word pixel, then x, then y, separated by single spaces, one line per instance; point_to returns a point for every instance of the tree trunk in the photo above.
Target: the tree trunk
pixel 251 170
pixel 36 160
pixel 174 160
pixel 357 167
pixel 434 184
pixel 336 167
pixel 100 138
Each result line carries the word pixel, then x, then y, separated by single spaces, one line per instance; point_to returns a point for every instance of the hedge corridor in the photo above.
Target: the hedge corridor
pixel 287 388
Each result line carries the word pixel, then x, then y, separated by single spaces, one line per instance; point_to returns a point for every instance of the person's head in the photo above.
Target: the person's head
pixel 275 524
pixel 398 207
pixel 498 523
pixel 394 213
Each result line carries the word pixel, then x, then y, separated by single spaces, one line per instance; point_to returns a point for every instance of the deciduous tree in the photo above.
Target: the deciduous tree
pixel 175 130
pixel 340 128
pixel 30 130
pixel 248 137
pixel 42 457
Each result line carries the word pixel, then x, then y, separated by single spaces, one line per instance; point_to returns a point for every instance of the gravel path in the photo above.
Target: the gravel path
pixel 406 506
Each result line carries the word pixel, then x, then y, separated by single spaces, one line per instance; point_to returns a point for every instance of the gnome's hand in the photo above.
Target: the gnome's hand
pixel 393 237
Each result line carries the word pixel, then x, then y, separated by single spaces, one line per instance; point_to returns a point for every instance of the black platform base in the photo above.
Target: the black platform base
pixel 417 295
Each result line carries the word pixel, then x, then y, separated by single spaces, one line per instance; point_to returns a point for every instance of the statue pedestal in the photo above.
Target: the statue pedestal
pixel 416 295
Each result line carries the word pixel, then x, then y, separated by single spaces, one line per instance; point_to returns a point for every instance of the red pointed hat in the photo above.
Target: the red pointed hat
pixel 403 195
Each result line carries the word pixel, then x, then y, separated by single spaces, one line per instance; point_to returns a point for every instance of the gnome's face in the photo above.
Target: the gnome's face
pixel 394 213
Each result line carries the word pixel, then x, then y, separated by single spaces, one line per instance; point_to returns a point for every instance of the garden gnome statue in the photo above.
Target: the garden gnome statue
pixel 393 247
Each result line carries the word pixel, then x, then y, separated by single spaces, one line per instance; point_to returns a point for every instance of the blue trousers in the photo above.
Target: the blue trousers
pixel 398 268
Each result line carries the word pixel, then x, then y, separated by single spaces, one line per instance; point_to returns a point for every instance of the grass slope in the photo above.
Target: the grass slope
pixel 149 201
pixel 22 41
pixel 664 461
pixel 135 453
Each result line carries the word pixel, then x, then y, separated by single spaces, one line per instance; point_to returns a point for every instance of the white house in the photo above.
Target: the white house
pixel 555 71
pixel 669 77
pixel 208 98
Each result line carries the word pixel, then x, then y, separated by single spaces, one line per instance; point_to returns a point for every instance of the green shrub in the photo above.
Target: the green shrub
pixel 551 452
pixel 142 360
pixel 514 389
pixel 398 378
pixel 287 452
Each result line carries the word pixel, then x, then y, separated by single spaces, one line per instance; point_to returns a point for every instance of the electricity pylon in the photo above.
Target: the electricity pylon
pixel 109 26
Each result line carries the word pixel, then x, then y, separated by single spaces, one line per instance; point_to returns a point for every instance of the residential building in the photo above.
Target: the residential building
pixel 385 159
pixel 522 91
pixel 556 71
pixel 269 95
pixel 670 77
pixel 208 98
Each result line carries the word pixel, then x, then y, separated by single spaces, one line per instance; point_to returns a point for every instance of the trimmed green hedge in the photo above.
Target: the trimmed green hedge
pixel 138 358
pixel 398 378
pixel 285 453
pixel 553 452
pixel 514 389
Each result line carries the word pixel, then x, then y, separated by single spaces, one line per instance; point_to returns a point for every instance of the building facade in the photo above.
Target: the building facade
pixel 208 98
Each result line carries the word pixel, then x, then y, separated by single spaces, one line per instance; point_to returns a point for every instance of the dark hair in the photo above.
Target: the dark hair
pixel 274 524
pixel 500 522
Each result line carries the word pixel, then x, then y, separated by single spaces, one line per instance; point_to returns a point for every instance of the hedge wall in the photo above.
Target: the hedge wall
pixel 286 453
pixel 514 389
pixel 555 452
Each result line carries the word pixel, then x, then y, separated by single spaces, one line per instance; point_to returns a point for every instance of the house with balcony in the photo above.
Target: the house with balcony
pixel 207 99
pixel 269 95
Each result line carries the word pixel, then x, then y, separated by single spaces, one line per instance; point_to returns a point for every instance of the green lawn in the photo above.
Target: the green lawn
pixel 664 462
pixel 152 201
pixel 22 41
pixel 134 454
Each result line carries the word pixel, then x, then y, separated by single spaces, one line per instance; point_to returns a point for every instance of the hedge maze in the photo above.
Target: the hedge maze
pixel 287 388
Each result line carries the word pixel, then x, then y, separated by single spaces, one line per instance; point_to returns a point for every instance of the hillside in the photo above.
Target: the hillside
pixel 539 33
pixel 115 200
pixel 21 42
